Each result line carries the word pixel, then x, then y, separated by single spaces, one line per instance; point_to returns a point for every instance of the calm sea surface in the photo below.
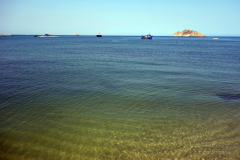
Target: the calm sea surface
pixel 119 98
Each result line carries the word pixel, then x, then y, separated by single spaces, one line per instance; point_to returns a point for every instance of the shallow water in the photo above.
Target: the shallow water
pixel 119 98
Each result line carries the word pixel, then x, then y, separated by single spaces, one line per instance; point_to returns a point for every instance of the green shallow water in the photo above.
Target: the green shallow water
pixel 105 131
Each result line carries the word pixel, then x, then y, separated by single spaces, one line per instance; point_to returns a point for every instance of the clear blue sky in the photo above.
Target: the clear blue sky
pixel 120 17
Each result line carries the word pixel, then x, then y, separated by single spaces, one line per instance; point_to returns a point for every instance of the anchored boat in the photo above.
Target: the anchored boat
pixel 99 34
pixel 148 36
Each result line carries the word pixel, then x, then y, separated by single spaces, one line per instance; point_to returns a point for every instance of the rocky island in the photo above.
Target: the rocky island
pixel 5 35
pixel 188 33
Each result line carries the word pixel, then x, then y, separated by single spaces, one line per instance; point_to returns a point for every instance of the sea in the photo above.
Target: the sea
pixel 119 97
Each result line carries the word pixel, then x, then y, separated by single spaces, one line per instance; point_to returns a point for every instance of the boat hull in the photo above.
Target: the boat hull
pixel 99 35
pixel 150 37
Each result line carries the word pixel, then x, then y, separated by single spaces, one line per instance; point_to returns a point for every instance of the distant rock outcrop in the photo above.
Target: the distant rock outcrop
pixel 5 35
pixel 188 33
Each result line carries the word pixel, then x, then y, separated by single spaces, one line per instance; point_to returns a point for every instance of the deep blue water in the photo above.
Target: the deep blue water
pixel 119 97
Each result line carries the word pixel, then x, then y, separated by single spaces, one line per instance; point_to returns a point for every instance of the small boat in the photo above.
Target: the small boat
pixel 148 36
pixel 214 38
pixel 47 34
pixel 99 34
pixel 75 34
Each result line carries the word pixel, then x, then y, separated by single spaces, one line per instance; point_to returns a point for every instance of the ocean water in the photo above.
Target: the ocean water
pixel 119 97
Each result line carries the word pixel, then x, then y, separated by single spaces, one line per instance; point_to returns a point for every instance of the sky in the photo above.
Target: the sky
pixel 115 17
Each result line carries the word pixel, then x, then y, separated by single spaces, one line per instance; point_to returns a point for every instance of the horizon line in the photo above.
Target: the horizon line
pixel 119 35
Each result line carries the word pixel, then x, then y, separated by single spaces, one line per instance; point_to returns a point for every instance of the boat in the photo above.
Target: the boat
pixel 214 38
pixel 148 36
pixel 75 34
pixel 99 34
pixel 47 34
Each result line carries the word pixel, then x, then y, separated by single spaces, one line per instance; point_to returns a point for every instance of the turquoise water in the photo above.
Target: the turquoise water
pixel 119 97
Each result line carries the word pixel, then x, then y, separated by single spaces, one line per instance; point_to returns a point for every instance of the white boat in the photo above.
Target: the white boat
pixel 47 34
pixel 214 38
